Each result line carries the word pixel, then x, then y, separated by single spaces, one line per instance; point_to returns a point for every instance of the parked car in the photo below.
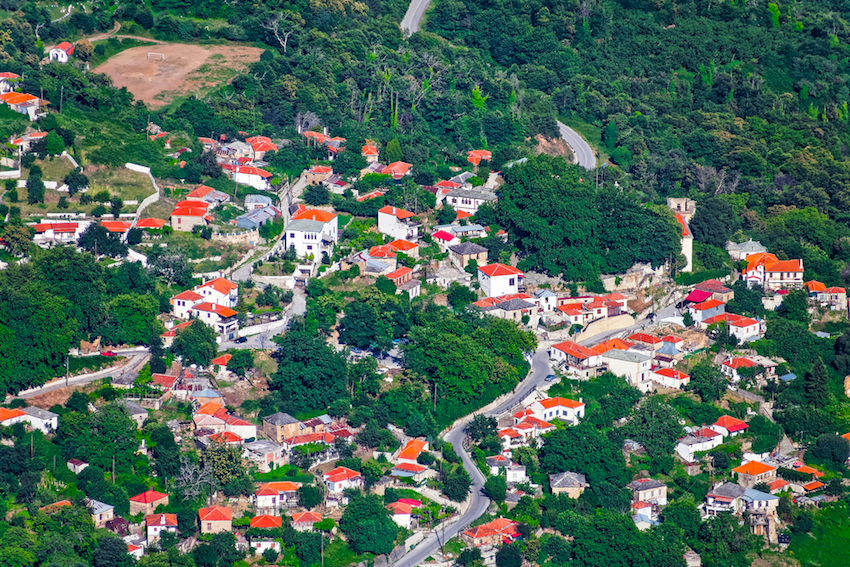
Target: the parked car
pixel 241 340
pixel 550 377
pixel 109 353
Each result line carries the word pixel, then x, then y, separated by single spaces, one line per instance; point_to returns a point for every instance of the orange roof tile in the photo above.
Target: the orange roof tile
pixel 672 373
pixel 809 470
pixel 226 437
pixel 6 414
pixel 410 467
pixel 753 468
pixel 731 424
pixel 116 226
pixel 341 473
pixel 280 486
pixel 209 408
pixel 778 483
pixel 400 214
pixel 412 449
pixel 219 310
pixel 150 223
pixel 403 245
pixel 814 286
pixel 835 290
pixel 222 285
pixel 383 251
pixel 369 196
pixel 710 304
pixel 148 497
pixel 266 522
pixel 200 192
pixel 814 485
pixel 401 272
pixel 737 363
pixel 222 360
pixel 785 266
pixel 306 518
pixel 644 338
pixel 497 269
pixel 574 349
pixel 215 514
pixel 369 150
pixel 188 295
pixel 550 403
pixel 189 211
pixel 169 520
pixel 397 168
pixel 313 214
pixel 685 231
pixel 399 508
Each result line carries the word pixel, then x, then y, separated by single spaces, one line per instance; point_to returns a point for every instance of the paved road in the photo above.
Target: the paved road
pixel 581 149
pixel 410 22
pixel 136 359
pixel 540 368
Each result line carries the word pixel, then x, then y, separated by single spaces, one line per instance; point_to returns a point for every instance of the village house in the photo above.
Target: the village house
pixel 740 251
pixel 570 483
pixel 401 513
pixel 409 470
pixel 259 545
pixel 50 233
pixel 705 310
pixel 41 419
pixel 318 173
pixel 648 490
pixel 731 367
pixel 249 175
pixel 577 360
pixel 404 281
pixel 833 297
pixel 208 195
pixel 312 232
pixel 687 244
pixel 100 512
pixel 256 202
pixel 703 439
pixel 218 291
pixel 340 478
pixel 397 169
pixel 513 307
pixel 492 533
pixel 525 432
pixel 136 412
pixel 266 454
pixel 304 521
pixel 215 519
pixel 717 290
pixel 189 214
pixel 563 409
pixel 670 378
pixel 26 104
pixel 475 157
pixel 76 466
pixel 260 146
pixel 513 472
pixel 26 141
pixel 254 219
pixel 725 498
pixel 158 523
pixel 744 328
pixel 411 451
pixel 8 81
pixel 272 496
pixel 370 152
pixel 147 501
pixel 61 53
pixel 280 426
pixel 729 426
pixel 634 366
pixel 498 279
pixel 767 271
pixel 221 319
pixel 468 200
pixel 398 223
pixel 753 473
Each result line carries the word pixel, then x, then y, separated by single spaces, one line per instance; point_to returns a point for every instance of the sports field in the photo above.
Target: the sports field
pixel 187 69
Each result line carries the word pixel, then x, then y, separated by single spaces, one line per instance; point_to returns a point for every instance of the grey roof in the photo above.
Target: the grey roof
pixel 751 495
pixel 568 479
pixel 626 356
pixel 206 393
pixel 544 293
pixel 259 216
pixel 237 145
pixel 514 305
pixel 462 177
pixel 280 418
pixel 498 462
pixel 475 193
pixel 305 225
pixel 254 199
pixel 39 413
pixel 410 284
pixel 133 407
pixel 467 228
pixel 728 490
pixel 467 248
pixel 97 507
pixel 668 349
pixel 645 484
pixel 788 377
pixel 693 440
pixel 262 446
pixel 750 247
pixel 373 265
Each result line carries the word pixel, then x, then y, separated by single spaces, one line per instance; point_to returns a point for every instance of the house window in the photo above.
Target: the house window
pixel 209 526
pixel 511 281
pixel 291 235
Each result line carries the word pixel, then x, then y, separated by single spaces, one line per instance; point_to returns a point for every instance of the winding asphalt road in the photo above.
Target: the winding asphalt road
pixel 581 149
pixel 540 368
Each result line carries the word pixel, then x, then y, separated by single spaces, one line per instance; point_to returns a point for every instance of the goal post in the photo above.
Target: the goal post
pixel 157 56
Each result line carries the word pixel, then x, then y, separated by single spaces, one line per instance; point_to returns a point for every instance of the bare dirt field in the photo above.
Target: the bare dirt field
pixel 187 69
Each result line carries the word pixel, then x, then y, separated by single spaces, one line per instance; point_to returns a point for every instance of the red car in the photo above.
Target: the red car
pixel 108 353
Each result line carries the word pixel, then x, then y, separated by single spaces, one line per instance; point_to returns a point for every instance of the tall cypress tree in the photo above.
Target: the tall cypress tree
pixel 817 385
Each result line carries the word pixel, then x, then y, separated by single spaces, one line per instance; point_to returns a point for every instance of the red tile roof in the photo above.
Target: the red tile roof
pixel 412 449
pixel 574 349
pixel 116 226
pixel 550 403
pixel 383 251
pixel 164 380
pixel 196 211
pixel 710 304
pixel 443 235
pixel 341 473
pixel 306 518
pixel 66 47
pixel 219 310
pixel 812 486
pixel 736 363
pixel 150 223
pixel 672 373
pixel 169 520
pixel 731 424
pixel 369 196
pixel 215 514
pixel 266 522
pixel 753 468
pixel 475 156
pixel 188 295
pixel 279 487
pixel 369 150
pixel 401 272
pixel 6 414
pixel 313 214
pixel 410 467
pixel 226 437
pixel 644 338
pixel 497 269
pixel 209 408
pixel 400 214
pixel 814 286
pixel 222 360
pixel 148 497
pixel 403 245
pixel 685 231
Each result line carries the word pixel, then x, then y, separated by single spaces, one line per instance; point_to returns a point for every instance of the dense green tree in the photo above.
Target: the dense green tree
pixel 508 556
pixel 496 489
pixel 75 181
pixel 714 222
pixel 586 450
pixel 131 319
pixel 99 241
pixel 242 362
pixel 104 439
pixel 112 552
pixel 817 385
pixel 481 426
pixel 316 195
pixel 309 496
pixel 385 285
pixel 310 374
pixel 196 344
pixel 456 484
pixel 832 449
pixel 655 425
pixel 795 306
pixel 460 296
pixel 368 526
pixel 706 381
pixel 166 453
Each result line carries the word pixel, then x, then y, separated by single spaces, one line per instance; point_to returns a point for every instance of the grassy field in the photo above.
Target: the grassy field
pixel 338 554
pixel 280 474
pixel 113 47
pixel 53 169
pixel 127 184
